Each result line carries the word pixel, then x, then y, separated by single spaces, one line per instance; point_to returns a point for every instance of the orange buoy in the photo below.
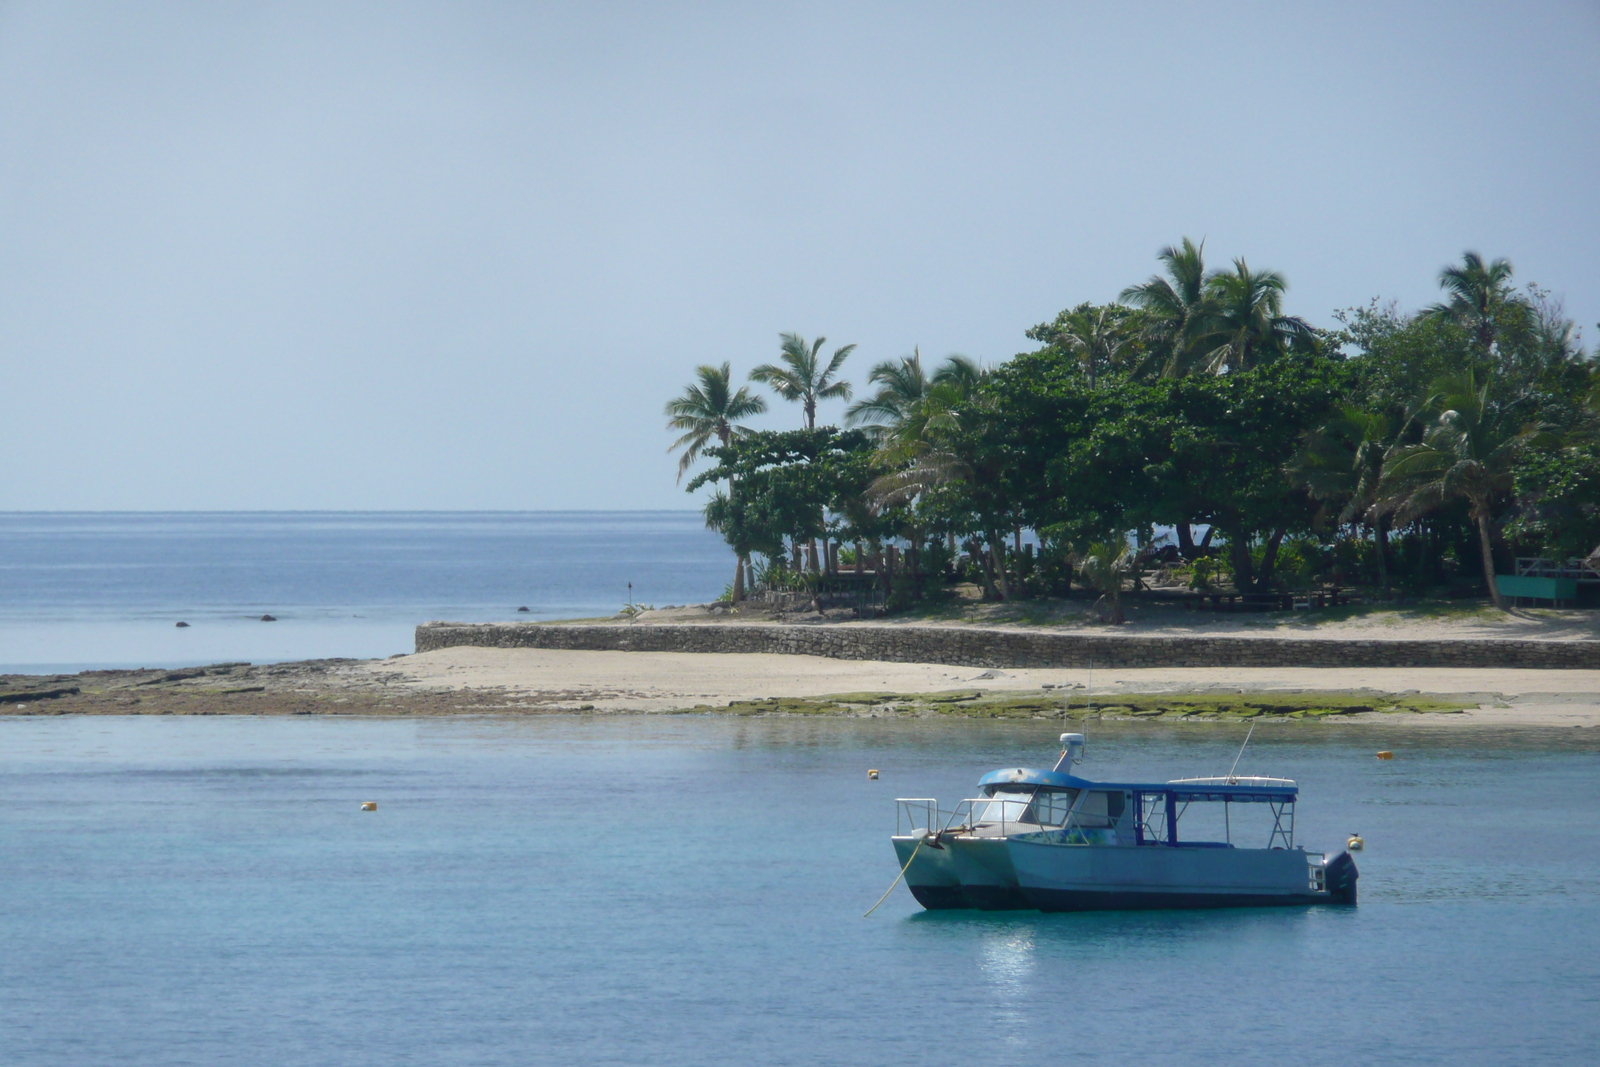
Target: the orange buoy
pixel 1386 754
pixel 873 774
pixel 371 805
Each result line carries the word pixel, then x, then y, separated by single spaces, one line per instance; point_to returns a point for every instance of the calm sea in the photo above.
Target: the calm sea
pixel 107 590
pixel 689 890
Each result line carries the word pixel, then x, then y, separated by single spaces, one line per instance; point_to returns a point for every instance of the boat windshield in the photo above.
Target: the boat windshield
pixel 1010 805
pixel 1042 807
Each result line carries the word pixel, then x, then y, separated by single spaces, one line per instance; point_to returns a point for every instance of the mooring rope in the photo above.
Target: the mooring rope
pixel 897 877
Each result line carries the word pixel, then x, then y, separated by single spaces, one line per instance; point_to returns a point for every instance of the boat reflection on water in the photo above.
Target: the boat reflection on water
pixel 1054 841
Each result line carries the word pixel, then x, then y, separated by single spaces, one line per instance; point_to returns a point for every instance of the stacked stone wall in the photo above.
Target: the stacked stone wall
pixel 975 647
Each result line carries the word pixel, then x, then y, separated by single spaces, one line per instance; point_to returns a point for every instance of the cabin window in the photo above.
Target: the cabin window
pixel 1100 809
pixel 1050 807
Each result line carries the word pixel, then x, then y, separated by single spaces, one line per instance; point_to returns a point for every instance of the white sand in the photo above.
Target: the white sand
pixel 664 681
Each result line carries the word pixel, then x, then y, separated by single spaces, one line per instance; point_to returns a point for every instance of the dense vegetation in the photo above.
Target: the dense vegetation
pixel 1192 424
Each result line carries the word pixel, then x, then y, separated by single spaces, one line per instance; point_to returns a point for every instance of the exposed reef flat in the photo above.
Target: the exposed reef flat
pixel 529 681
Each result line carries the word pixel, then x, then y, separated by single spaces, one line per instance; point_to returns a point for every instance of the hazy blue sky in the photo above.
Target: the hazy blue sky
pixel 458 255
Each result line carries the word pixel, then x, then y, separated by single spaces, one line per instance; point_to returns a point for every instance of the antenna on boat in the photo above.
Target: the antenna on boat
pixel 1241 752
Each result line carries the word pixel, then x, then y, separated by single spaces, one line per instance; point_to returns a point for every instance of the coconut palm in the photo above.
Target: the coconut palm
pixel 1344 460
pixel 1467 453
pixel 709 408
pixel 1175 306
pixel 1103 567
pixel 799 379
pixel 1478 292
pixel 1245 321
pixel 1097 338
pixel 902 383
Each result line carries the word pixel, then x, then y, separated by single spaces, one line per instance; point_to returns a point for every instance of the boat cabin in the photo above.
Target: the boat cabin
pixel 1023 800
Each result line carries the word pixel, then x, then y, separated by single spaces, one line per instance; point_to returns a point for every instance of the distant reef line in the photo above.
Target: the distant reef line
pixel 971 646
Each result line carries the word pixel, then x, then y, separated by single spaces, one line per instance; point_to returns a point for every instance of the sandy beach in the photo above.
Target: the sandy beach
pixel 540 681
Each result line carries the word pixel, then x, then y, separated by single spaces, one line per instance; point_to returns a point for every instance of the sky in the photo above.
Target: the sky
pixel 459 255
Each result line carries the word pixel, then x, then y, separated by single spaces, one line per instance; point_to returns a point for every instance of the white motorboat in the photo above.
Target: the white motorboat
pixel 1055 841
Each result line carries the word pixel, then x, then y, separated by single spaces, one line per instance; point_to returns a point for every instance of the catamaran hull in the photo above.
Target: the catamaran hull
pixel 988 881
pixel 930 874
pixel 1098 878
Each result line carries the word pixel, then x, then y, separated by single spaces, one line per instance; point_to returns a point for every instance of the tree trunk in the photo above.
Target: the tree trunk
pixel 1269 560
pixel 738 581
pixel 1244 568
pixel 1205 542
pixel 861 560
pixel 1380 533
pixel 1488 560
pixel 997 547
pixel 1185 541
pixel 985 559
pixel 794 550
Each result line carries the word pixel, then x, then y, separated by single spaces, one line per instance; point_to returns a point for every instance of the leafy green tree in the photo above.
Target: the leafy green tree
pixel 709 408
pixel 787 483
pixel 801 378
pixel 1098 339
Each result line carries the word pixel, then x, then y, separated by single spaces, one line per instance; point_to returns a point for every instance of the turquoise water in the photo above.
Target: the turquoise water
pixel 87 590
pixel 689 890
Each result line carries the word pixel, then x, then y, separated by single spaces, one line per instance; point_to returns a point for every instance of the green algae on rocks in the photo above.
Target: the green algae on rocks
pixel 1203 707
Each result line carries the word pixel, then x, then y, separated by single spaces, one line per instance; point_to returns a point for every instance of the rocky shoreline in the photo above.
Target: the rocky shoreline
pixel 310 687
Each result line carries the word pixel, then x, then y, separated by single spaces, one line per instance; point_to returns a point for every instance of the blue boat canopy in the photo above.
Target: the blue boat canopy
pixel 1234 789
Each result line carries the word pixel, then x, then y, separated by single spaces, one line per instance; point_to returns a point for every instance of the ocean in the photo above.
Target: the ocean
pixel 98 590
pixel 689 890
pixel 685 889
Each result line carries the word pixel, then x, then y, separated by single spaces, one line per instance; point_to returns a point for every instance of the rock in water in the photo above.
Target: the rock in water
pixel 268 618
pixel 182 625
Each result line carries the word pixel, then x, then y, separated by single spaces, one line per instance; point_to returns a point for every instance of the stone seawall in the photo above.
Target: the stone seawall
pixel 974 647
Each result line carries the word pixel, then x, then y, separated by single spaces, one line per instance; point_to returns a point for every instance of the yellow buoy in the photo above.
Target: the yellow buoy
pixel 873 774
pixel 1386 754
pixel 371 805
pixel 1355 844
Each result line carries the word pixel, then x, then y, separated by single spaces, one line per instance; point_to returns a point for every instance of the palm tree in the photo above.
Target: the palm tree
pixel 1246 318
pixel 709 409
pixel 925 451
pixel 1477 293
pixel 1098 339
pixel 1103 568
pixel 901 383
pixel 1175 306
pixel 799 379
pixel 1344 460
pixel 1465 453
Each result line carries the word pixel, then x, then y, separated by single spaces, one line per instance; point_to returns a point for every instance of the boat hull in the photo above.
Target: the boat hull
pixel 988 880
pixel 1054 877
pixel 930 874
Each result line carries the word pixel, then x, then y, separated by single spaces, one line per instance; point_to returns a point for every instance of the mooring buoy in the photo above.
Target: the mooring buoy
pixel 371 805
pixel 1386 754
pixel 873 774
pixel 1355 844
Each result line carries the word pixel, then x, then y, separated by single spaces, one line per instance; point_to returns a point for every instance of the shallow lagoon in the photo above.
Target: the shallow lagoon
pixel 689 890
